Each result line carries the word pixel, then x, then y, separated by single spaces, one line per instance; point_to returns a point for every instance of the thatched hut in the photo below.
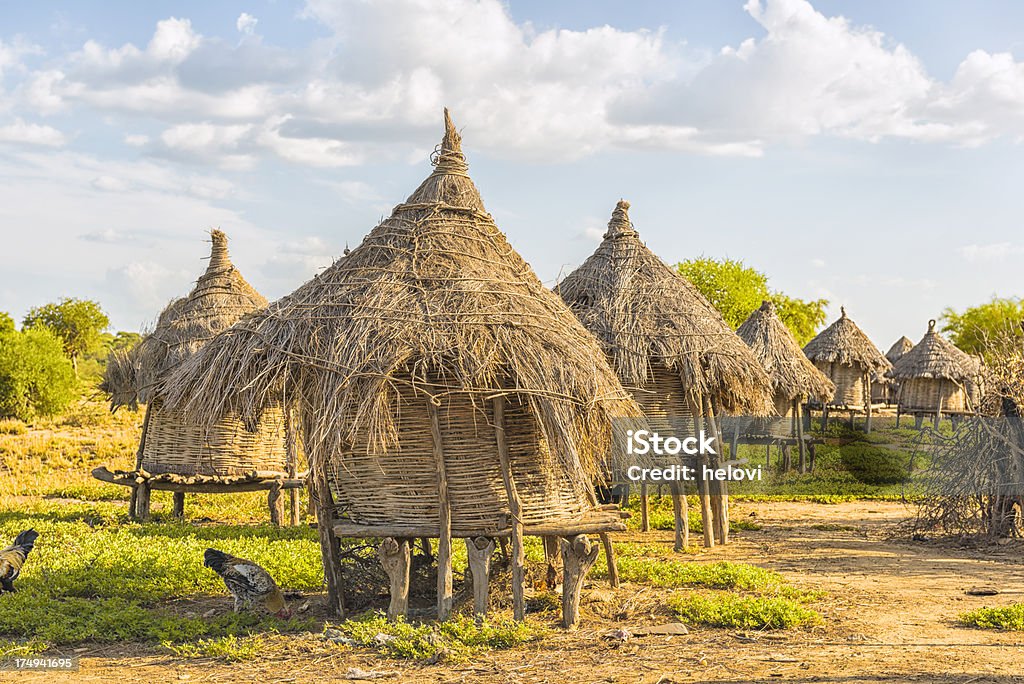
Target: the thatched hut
pixel 935 377
pixel 848 358
pixel 181 455
pixel 444 392
pixel 794 378
pixel 667 343
pixel 883 388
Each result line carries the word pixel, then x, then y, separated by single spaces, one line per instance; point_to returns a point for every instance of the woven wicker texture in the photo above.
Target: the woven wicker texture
pixel 922 394
pixel 173 445
pixel 434 291
pixel 647 316
pixel 849 381
pixel 933 368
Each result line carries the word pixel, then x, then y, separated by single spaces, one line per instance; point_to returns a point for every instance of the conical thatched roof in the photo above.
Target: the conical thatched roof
pixel 433 298
pixel 219 299
pixel 644 313
pixel 791 373
pixel 898 349
pixel 935 357
pixel 845 343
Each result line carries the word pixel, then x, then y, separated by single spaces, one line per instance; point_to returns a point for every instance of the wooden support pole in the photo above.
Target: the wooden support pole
pixel 938 409
pixel 645 524
pixel 292 451
pixel 551 556
pixel 133 502
pixel 275 504
pixel 609 555
pixel 444 542
pixel 428 552
pixel 143 493
pixel 798 408
pixel 179 505
pixel 721 486
pixel 330 545
pixel 867 385
pixel 395 555
pixel 703 489
pixel 787 458
pixel 479 551
pixel 578 555
pixel 811 454
pixel 515 511
pixel 682 515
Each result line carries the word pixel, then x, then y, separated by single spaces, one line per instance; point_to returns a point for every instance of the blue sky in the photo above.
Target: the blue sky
pixel 866 152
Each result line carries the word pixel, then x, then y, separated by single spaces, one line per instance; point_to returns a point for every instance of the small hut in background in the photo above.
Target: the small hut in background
pixel 935 378
pixel 848 358
pixel 670 347
pixel 444 392
pixel 885 389
pixel 794 378
pixel 184 456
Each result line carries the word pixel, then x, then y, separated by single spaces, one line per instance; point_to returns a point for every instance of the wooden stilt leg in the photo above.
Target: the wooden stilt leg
pixel 551 556
pixel 292 451
pixel 645 525
pixel 428 551
pixel 609 556
pixel 703 488
pixel 330 545
pixel 179 505
pixel 395 555
pixel 133 504
pixel 275 504
pixel 681 517
pixel 867 401
pixel 721 486
pixel 444 542
pixel 798 409
pixel 479 552
pixel 142 502
pixel 578 555
pixel 515 511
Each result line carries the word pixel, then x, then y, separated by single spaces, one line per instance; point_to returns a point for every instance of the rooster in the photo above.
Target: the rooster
pixel 248 583
pixel 13 557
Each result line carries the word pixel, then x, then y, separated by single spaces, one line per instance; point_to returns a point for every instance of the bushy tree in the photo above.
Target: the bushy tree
pixel 93 363
pixel 979 325
pixel 36 378
pixel 6 322
pixel 736 290
pixel 77 322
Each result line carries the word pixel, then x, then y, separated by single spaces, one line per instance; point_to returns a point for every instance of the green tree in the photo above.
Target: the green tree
pixel 93 363
pixel 36 378
pixel 77 322
pixel 736 290
pixel 6 322
pixel 976 326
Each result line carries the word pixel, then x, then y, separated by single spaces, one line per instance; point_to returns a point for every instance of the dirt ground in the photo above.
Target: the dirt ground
pixel 889 617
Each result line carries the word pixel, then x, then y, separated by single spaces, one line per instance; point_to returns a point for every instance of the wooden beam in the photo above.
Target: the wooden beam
pixel 515 511
pixel 479 551
pixel 592 524
pixel 444 541
pixel 578 555
pixel 395 556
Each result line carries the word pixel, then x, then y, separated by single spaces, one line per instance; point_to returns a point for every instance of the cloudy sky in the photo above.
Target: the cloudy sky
pixel 868 152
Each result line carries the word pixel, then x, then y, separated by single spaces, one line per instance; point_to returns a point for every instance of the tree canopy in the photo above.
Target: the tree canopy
pixel 736 290
pixel 77 322
pixel 6 322
pixel 977 326
pixel 36 377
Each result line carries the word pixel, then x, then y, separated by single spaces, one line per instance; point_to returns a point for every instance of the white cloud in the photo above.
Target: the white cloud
pixel 109 184
pixel 246 23
pixel 31 134
pixel 990 253
pixel 136 139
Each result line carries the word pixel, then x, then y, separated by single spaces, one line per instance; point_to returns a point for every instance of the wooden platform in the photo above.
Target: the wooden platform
pixel 595 522
pixel 203 484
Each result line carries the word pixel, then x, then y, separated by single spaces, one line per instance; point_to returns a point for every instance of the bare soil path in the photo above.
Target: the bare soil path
pixel 890 617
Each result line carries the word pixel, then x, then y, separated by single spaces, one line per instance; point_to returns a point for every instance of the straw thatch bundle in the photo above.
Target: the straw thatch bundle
pixel 934 375
pixel 653 323
pixel 847 357
pixel 792 375
pixel 434 313
pixel 172 444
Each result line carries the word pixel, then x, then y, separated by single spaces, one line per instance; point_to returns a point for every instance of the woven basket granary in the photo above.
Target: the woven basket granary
pixel 848 358
pixel 935 375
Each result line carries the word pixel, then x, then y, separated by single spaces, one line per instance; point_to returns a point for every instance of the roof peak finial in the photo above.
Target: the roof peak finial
pixel 931 325
pixel 767 306
pixel 620 223
pixel 842 312
pixel 448 157
pixel 219 258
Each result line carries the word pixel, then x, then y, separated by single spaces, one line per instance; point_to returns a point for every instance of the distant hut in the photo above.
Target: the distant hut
pixel 794 378
pixel 180 455
pixel 848 358
pixel 667 343
pixel 885 389
pixel 444 392
pixel 935 378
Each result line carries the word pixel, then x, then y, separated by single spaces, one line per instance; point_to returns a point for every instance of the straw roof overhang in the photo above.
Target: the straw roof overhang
pixel 898 349
pixel 935 357
pixel 845 343
pixel 435 297
pixel 644 313
pixel 792 374
pixel 219 299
